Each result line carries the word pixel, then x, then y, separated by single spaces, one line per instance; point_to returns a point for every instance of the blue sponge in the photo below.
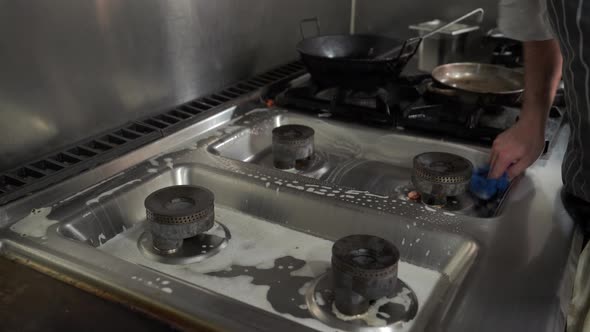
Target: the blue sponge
pixel 484 188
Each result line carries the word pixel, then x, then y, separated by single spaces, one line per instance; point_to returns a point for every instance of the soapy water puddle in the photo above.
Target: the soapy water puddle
pixel 267 266
pixel 288 293
pixel 397 310
pixel 284 293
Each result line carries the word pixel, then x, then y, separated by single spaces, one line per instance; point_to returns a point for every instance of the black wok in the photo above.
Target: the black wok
pixel 349 61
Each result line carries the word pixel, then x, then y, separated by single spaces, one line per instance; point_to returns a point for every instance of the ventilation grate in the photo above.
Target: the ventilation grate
pixel 90 153
pixel 73 160
pixel 184 115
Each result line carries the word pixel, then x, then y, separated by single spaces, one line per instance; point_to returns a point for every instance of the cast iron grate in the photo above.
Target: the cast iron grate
pixel 87 154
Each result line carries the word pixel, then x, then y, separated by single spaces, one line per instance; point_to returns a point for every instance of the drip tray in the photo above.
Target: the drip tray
pixel 353 156
pixel 393 312
pixel 267 269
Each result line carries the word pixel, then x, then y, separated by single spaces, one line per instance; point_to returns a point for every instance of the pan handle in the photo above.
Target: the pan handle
pixel 441 91
pixel 315 20
pixel 479 11
pixel 402 52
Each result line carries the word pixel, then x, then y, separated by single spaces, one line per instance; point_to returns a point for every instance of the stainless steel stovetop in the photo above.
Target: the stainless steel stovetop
pixel 348 155
pixel 279 227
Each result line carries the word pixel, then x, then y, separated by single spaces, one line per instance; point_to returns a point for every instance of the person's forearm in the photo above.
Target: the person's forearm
pixel 542 62
pixel 518 147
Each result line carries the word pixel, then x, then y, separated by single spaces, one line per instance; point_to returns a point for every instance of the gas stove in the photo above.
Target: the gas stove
pixel 408 104
pixel 264 233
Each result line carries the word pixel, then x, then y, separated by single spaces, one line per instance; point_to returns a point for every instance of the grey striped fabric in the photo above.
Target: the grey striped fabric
pixel 570 21
pixel 524 20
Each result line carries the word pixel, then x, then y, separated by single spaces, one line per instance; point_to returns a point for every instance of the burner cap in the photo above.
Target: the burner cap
pixel 178 212
pixel 440 175
pixel 293 134
pixel 292 146
pixel 364 269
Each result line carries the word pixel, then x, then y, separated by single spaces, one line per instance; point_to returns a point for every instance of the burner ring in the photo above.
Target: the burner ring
pixel 440 179
pixel 438 175
pixel 292 146
pixel 364 269
pixel 177 213
pixel 365 256
pixel 442 167
pixel 168 220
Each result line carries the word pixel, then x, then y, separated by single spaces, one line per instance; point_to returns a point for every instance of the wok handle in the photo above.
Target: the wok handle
pixel 402 52
pixel 315 20
pixel 410 47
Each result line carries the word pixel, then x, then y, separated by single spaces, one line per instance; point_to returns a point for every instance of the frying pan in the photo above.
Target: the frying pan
pixel 359 61
pixel 475 83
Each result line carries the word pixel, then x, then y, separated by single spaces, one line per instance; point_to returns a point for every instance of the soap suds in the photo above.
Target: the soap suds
pixel 97 199
pixel 258 243
pixel 169 163
pixel 35 224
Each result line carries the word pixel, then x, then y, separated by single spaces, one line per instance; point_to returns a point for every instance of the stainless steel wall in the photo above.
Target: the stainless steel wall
pixel 393 17
pixel 70 69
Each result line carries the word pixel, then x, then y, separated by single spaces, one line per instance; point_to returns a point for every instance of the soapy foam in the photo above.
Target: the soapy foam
pixel 169 163
pixel 35 224
pixel 380 203
pixel 97 199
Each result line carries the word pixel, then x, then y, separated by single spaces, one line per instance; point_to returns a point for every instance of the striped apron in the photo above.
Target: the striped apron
pixel 570 20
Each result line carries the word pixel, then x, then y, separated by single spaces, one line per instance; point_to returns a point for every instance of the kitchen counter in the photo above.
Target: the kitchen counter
pixel 31 301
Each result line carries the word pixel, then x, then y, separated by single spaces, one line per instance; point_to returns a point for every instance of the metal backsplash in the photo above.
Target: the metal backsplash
pixel 73 69
pixel 393 17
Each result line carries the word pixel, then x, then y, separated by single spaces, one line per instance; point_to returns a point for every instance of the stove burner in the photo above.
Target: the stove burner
pixel 438 175
pixel 364 269
pixel 292 146
pixel 407 103
pixel 193 250
pixel 177 213
pixel 373 106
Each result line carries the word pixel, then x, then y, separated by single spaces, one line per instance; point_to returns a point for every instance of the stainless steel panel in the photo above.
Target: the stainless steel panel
pixel 349 155
pixel 448 46
pixel 393 17
pixel 116 207
pixel 71 69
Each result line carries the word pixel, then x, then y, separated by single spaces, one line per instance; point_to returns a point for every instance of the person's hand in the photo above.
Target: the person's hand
pixel 516 149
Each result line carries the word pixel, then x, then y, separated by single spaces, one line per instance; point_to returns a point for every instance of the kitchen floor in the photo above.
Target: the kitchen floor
pixel 32 301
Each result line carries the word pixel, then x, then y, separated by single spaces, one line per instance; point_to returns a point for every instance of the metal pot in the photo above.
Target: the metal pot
pixel 446 47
